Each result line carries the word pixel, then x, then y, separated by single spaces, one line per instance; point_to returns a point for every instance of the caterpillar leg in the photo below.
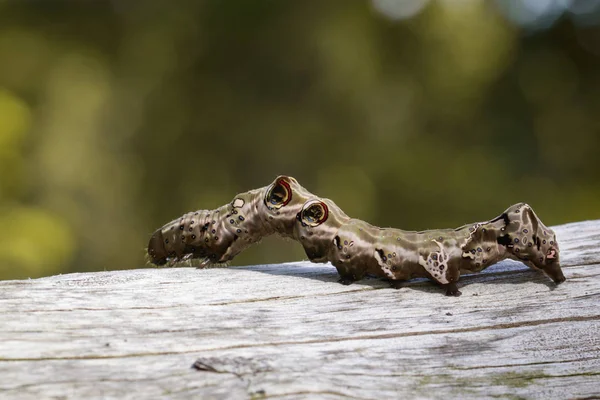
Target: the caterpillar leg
pixel 348 276
pixel 443 264
pixel 347 279
pixel 397 284
pixel 452 289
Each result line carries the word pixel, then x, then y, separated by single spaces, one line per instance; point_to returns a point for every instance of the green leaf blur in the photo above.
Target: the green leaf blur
pixel 118 116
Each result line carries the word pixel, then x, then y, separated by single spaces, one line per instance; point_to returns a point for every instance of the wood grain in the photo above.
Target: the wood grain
pixel 290 331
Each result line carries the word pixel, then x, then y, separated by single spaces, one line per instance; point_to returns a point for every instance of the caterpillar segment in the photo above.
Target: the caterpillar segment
pixel 356 248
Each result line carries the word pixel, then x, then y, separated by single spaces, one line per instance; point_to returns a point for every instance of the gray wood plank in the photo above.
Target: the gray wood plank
pixel 290 331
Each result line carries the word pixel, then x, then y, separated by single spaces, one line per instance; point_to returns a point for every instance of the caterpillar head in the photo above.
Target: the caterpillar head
pixel 184 239
pixel 156 249
pixel 551 263
pixel 543 254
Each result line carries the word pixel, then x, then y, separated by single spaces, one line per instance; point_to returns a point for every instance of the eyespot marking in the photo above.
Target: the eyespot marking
pixel 314 213
pixel 278 194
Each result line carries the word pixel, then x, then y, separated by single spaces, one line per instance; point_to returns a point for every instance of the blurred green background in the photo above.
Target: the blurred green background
pixel 118 116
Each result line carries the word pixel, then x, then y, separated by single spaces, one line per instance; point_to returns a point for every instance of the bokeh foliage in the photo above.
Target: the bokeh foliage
pixel 118 116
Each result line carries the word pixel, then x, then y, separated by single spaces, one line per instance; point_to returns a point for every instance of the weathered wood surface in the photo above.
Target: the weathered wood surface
pixel 290 331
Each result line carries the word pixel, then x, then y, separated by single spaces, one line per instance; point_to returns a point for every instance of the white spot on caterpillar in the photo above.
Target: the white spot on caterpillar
pixel 436 263
pixel 384 267
pixel 472 231
pixel 237 203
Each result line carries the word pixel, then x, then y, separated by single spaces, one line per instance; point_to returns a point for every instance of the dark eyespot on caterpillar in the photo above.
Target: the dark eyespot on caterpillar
pixel 279 194
pixel 314 213
pixel 355 247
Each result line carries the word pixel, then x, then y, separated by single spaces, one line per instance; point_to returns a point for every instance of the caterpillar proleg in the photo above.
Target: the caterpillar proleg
pixel 355 247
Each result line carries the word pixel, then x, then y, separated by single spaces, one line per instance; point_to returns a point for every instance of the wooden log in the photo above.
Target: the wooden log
pixel 290 331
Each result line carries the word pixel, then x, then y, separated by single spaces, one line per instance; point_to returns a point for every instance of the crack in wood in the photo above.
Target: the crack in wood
pixel 330 340
pixel 315 393
pixel 477 367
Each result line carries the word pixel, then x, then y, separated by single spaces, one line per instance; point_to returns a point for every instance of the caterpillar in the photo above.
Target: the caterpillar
pixel 354 247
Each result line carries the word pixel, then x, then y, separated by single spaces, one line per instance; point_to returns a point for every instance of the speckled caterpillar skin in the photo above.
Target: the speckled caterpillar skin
pixel 355 247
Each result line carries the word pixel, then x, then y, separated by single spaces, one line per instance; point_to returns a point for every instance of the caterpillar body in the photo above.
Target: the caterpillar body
pixel 355 247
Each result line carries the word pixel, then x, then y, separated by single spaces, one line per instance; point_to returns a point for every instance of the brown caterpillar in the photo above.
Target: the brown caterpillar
pixel 355 247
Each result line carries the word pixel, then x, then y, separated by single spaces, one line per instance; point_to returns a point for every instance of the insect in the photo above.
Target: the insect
pixel 355 247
